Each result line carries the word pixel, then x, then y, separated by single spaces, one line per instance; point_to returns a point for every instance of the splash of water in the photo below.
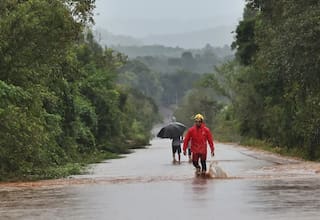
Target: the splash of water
pixel 216 171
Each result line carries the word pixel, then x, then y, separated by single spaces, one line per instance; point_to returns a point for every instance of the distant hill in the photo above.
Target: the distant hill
pixel 202 58
pixel 149 50
pixel 217 37
pixel 170 52
pixel 163 59
pixel 107 38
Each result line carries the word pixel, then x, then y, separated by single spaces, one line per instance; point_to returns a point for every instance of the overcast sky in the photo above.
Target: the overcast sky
pixel 139 18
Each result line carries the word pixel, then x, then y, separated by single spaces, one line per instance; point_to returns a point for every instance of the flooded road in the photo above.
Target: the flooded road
pixel 146 185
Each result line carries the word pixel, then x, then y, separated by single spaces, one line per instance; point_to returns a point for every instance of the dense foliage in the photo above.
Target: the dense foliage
pixel 212 96
pixel 164 88
pixel 283 106
pixel 59 101
pixel 166 74
pixel 273 87
pixel 165 61
pixel 170 52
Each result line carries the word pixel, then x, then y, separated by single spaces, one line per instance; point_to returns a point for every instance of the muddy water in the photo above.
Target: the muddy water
pixel 146 185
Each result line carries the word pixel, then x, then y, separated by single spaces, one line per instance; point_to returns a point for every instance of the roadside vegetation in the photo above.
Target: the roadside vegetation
pixel 65 101
pixel 60 105
pixel 269 95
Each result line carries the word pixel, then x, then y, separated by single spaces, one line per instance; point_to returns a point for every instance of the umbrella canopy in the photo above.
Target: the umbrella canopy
pixel 174 129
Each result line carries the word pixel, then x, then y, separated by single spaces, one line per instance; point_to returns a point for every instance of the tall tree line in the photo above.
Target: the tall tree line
pixel 59 101
pixel 271 91
pixel 278 46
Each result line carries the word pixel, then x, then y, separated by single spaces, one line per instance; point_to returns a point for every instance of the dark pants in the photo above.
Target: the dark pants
pixel 176 149
pixel 195 161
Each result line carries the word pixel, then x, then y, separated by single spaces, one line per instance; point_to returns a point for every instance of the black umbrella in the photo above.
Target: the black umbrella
pixel 174 129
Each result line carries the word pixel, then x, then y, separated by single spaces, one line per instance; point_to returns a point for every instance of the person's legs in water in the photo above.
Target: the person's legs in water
pixel 179 152
pixel 204 166
pixel 189 155
pixel 195 161
pixel 203 158
pixel 174 149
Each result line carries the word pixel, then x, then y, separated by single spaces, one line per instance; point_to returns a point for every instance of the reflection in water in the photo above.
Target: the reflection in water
pixel 32 203
pixel 292 195
pixel 130 189
pixel 199 185
pixel 199 190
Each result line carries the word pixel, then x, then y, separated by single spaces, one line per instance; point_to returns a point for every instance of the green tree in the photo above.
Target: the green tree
pixel 59 101
pixel 282 79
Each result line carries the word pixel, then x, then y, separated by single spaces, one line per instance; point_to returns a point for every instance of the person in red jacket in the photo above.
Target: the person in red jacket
pixel 199 135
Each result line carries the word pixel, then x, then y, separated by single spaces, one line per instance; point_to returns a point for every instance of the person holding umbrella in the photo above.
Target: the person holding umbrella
pixel 176 148
pixel 174 131
pixel 176 145
pixel 199 135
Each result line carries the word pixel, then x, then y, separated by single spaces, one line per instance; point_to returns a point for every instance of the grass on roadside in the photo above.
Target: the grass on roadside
pixel 284 151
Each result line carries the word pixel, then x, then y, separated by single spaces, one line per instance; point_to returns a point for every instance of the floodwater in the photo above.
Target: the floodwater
pixel 145 185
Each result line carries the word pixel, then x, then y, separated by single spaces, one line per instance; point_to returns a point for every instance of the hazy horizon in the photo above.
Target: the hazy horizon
pixel 146 18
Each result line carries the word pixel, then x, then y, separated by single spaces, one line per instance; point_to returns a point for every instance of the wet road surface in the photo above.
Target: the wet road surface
pixel 146 185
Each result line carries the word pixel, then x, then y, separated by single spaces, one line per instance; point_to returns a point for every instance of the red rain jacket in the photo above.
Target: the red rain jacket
pixel 199 137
